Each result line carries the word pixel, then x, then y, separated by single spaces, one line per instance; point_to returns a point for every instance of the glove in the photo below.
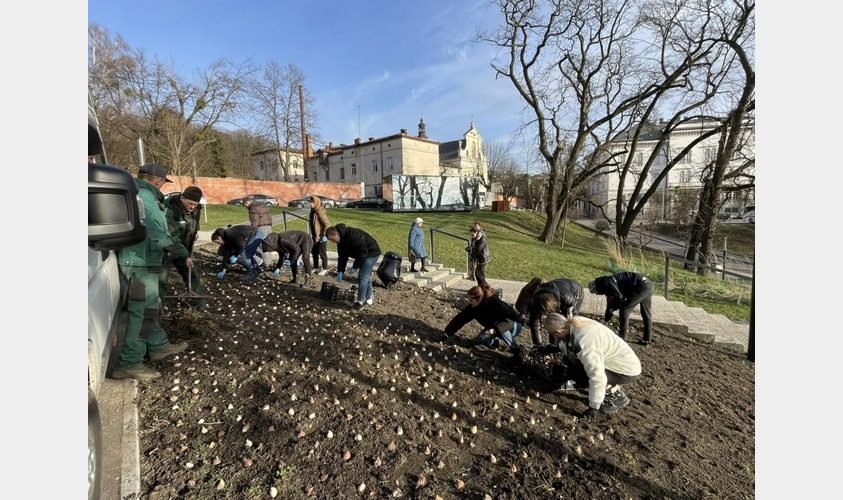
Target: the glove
pixel 276 273
pixel 339 276
pixel 221 274
pixel 232 259
pixel 324 239
pixel 351 270
pixel 590 415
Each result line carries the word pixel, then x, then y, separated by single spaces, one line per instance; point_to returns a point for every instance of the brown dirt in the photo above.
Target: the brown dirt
pixel 281 391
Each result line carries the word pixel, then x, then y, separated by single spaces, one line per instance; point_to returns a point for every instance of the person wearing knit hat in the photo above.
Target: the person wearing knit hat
pixel 182 211
pixel 415 245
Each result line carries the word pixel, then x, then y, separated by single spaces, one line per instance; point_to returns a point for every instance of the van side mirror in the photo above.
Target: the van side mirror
pixel 114 219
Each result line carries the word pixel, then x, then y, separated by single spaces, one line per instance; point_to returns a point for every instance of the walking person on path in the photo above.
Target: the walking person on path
pixel 415 245
pixel 623 292
pixel 140 265
pixel 319 224
pixel 478 249
pixel 182 212
pixel 359 245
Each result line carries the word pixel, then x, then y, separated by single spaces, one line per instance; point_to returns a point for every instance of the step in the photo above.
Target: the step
pixel 444 282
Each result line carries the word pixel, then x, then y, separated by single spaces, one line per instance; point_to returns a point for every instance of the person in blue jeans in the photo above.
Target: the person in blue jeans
pixel 240 244
pixel 501 322
pixel 359 245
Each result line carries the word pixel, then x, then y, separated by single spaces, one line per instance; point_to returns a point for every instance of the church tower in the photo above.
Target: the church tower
pixel 422 133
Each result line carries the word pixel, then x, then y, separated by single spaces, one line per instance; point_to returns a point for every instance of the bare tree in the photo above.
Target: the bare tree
pixel 588 70
pixel 498 154
pixel 697 37
pixel 274 101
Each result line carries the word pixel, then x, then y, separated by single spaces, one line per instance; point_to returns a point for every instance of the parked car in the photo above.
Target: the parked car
pixel 368 202
pixel 749 216
pixel 114 222
pixel 343 202
pixel 305 201
pixel 261 198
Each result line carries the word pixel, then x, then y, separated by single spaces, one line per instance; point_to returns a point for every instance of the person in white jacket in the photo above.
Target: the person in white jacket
pixel 607 360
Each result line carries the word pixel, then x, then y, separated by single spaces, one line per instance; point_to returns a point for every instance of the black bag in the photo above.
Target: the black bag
pixel 389 270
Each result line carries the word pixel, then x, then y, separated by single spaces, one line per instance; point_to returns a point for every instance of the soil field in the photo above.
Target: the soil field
pixel 282 394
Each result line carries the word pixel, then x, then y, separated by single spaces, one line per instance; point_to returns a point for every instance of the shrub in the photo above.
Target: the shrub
pixel 601 225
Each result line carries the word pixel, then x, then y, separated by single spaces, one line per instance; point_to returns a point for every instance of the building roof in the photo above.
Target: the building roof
pixel 336 149
pixel 273 150
pixel 649 132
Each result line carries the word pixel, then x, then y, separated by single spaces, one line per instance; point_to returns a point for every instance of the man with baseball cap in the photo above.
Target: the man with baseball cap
pixel 183 211
pixel 140 265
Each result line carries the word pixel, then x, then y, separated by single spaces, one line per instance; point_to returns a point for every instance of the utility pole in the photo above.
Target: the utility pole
pixel 304 151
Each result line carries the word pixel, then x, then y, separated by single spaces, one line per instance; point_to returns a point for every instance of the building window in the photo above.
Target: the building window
pixel 710 154
pixel 639 159
pixel 342 172
pixel 684 176
pixel 687 157
pixel 315 176
pixel 389 162
pixel 353 169
pixel 374 165
pixel 328 174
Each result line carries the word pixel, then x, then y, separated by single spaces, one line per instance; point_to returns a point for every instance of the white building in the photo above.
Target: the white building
pixel 678 195
pixel 266 166
pixel 370 161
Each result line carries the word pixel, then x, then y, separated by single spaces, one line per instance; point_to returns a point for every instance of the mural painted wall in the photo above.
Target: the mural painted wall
pixel 423 192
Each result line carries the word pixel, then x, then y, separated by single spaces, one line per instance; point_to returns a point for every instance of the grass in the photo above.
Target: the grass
pixel 517 254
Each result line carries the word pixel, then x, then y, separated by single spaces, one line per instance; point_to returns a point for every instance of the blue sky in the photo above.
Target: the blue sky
pixel 396 60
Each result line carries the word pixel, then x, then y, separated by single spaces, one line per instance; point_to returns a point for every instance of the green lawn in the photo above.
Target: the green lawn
pixel 517 254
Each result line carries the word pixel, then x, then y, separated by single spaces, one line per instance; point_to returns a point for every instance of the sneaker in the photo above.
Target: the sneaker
pixel 614 402
pixel 358 306
pixel 138 372
pixel 323 272
pixel 424 270
pixel 167 350
pixel 370 302
pixel 646 343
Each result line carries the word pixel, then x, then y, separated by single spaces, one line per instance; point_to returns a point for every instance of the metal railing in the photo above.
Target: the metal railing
pixel 284 217
pixel 433 230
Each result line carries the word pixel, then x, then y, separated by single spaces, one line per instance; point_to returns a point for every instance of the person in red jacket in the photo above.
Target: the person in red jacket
pixel 500 321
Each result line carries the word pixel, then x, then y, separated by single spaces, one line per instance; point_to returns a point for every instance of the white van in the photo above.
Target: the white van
pixel 114 221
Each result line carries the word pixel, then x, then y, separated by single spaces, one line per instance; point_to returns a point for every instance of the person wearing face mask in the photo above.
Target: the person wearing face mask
pixel 319 224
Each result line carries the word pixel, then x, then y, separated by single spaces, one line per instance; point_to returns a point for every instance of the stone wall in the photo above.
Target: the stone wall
pixel 218 190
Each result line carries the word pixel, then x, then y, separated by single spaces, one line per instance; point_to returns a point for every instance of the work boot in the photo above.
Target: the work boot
pixel 166 350
pixel 413 268
pixel 139 372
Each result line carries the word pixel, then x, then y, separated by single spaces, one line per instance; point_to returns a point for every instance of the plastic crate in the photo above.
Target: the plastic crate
pixel 335 293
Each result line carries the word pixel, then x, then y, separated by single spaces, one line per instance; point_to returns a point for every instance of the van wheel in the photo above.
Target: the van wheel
pixel 94 448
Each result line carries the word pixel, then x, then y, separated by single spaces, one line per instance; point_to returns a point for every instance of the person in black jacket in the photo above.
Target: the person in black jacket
pixel 240 243
pixel 562 295
pixel 183 211
pixel 499 319
pixel 359 245
pixel 292 245
pixel 623 292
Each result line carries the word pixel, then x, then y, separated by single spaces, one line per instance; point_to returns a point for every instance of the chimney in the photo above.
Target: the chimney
pixel 371 139
pixel 330 146
pixel 308 146
pixel 356 141
pixel 403 131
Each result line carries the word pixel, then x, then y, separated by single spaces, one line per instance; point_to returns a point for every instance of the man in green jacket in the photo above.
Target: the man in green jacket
pixel 182 211
pixel 140 265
